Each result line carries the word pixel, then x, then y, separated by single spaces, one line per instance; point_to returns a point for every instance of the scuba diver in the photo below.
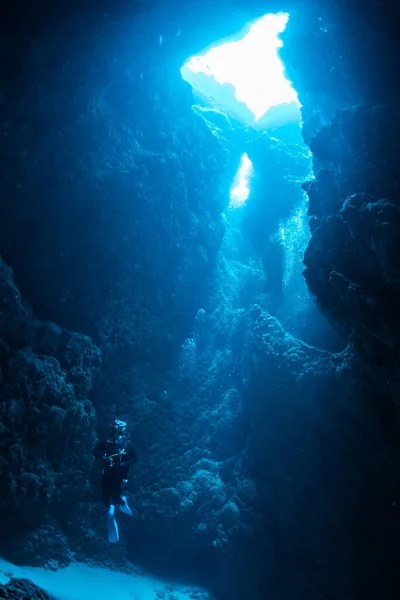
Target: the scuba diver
pixel 117 455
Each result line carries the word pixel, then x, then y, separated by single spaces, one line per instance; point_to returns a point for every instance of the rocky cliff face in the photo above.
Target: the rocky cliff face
pixel 23 589
pixel 117 198
pixel 351 112
pixel 254 448
pixel 47 422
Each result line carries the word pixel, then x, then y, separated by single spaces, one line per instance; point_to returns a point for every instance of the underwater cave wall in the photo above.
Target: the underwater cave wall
pixel 113 184
pixel 47 427
pixel 117 194
pixel 350 103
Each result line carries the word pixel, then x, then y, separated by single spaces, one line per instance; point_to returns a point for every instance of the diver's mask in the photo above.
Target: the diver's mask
pixel 118 432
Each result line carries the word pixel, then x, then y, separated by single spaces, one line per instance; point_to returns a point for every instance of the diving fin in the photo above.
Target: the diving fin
pixel 113 536
pixel 124 507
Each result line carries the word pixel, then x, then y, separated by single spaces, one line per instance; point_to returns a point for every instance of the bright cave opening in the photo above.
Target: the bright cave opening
pixel 240 189
pixel 246 77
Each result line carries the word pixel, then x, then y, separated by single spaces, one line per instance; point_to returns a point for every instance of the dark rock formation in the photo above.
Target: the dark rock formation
pixel 23 589
pixel 311 429
pixel 353 130
pixel 146 220
pixel 47 422
pixel 352 262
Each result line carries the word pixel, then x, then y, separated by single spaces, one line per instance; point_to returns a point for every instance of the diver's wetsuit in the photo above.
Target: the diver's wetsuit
pixel 114 474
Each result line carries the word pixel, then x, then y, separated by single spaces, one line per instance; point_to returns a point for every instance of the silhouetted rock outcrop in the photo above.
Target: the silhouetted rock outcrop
pixel 351 114
pixel 47 424
pixel 23 589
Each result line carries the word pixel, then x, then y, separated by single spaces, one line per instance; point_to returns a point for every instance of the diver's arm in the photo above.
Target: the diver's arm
pixel 130 457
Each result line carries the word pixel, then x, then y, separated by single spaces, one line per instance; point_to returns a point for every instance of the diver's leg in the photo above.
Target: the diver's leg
pixel 122 500
pixel 112 525
pixel 105 490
